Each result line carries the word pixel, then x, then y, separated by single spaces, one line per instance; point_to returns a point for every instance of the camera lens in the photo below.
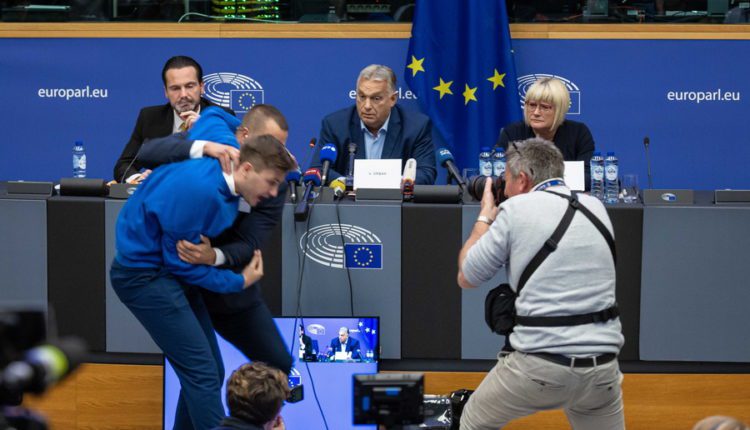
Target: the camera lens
pixel 476 186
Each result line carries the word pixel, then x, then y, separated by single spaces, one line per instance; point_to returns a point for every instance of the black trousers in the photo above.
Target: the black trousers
pixel 244 320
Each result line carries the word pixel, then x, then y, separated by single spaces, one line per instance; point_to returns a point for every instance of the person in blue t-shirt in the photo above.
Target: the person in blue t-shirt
pixel 182 201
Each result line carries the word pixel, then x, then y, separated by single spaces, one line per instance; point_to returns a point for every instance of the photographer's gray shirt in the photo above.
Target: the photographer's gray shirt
pixel 577 278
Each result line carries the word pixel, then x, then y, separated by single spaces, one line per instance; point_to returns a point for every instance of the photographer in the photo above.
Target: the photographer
pixel 565 364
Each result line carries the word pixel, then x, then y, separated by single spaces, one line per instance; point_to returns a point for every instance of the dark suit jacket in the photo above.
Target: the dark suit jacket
pixel 352 345
pixel 307 340
pixel 409 136
pixel 572 138
pixel 153 121
pixel 248 233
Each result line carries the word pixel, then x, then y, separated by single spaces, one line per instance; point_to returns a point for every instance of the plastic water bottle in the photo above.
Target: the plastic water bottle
pixel 79 160
pixel 597 176
pixel 498 163
pixel 485 161
pixel 611 184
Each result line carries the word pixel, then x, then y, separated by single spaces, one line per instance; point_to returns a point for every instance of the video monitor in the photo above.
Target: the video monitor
pixel 324 368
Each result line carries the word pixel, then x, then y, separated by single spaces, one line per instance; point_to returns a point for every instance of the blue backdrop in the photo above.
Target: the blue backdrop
pixel 57 91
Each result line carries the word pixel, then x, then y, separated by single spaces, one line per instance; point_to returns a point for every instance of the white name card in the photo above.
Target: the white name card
pixel 377 174
pixel 574 176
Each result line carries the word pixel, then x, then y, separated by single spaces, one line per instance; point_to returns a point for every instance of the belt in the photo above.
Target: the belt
pixel 576 362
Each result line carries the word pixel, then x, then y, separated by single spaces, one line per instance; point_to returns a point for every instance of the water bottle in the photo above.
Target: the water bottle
pixel 597 176
pixel 79 160
pixel 611 184
pixel 485 161
pixel 498 163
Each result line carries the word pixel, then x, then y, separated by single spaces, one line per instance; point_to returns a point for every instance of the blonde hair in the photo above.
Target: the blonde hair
pixel 552 91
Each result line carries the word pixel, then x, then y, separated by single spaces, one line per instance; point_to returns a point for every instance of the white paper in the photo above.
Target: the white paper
pixel 377 174
pixel 574 176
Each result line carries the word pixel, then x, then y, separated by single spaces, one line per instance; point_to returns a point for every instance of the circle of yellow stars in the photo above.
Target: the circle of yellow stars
pixel 244 98
pixel 370 256
pixel 417 65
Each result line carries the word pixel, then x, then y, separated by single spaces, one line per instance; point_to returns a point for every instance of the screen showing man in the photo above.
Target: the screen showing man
pixel 344 347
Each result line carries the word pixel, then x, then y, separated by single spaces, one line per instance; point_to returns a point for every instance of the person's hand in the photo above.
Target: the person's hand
pixel 144 175
pixel 201 253
pixel 189 117
pixel 254 270
pixel 488 206
pixel 224 153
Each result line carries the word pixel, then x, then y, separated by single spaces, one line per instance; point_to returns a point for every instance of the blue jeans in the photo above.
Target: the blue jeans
pixel 176 318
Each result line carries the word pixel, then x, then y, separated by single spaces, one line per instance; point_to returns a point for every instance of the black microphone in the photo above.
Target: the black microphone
pixel 350 166
pixel 446 160
pixel 646 143
pixel 313 143
pixel 327 156
pixel 311 179
pixel 293 178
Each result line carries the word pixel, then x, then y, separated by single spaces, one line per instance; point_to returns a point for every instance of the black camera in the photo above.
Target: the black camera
pixel 29 365
pixel 475 185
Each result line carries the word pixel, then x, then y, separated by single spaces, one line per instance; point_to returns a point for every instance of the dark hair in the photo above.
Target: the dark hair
pixel 256 392
pixel 266 151
pixel 179 62
pixel 256 118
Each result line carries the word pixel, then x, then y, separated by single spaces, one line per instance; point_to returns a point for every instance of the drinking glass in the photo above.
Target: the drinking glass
pixel 629 189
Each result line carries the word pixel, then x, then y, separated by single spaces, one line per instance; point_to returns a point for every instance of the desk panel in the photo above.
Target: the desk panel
pixel 695 284
pixel 23 256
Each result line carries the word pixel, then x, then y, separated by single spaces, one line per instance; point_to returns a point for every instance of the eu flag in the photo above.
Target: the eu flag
pixel 243 100
pixel 364 255
pixel 460 66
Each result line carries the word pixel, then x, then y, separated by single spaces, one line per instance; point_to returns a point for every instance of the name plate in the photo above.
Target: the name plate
pixel 377 174
pixel 574 175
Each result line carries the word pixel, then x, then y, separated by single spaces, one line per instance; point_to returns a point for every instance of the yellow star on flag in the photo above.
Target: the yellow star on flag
pixel 469 94
pixel 444 88
pixel 416 65
pixel 497 79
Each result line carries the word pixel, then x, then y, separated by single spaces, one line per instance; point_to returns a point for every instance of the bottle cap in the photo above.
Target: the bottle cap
pixel 610 153
pixel 79 143
pixel 484 149
pixel 597 154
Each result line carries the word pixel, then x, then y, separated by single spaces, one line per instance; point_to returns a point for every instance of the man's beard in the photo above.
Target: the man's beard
pixel 185 105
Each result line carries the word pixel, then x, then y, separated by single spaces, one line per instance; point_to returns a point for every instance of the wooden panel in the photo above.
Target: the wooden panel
pixel 102 397
pixel 120 397
pixel 363 31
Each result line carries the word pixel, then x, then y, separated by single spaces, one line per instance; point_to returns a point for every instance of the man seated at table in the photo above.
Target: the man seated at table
pixel 380 128
pixel 183 87
pixel 344 347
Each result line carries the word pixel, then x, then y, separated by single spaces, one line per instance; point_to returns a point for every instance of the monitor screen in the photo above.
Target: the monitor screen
pixel 327 366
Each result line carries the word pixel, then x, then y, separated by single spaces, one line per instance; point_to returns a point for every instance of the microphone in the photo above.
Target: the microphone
pixel 339 186
pixel 410 175
pixel 350 166
pixel 293 178
pixel 646 142
pixel 311 146
pixel 311 179
pixel 327 156
pixel 446 160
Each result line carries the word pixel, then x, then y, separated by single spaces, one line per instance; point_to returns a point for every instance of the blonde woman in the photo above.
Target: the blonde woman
pixel 547 102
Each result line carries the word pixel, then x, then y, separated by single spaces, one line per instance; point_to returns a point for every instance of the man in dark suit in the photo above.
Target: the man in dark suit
pixel 305 346
pixel 183 87
pixel 379 128
pixel 243 319
pixel 344 343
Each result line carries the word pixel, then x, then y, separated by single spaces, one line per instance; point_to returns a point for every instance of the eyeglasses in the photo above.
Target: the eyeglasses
pixel 544 107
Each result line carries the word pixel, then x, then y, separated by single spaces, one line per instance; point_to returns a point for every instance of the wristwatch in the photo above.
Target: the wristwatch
pixel 484 219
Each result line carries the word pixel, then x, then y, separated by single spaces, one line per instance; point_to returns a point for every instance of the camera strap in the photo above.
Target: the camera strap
pixel 550 246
